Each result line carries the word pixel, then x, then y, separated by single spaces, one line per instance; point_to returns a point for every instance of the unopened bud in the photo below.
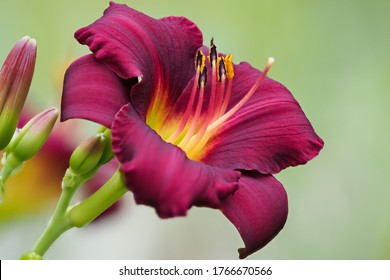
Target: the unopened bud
pixel 15 79
pixel 87 155
pixel 108 154
pixel 33 135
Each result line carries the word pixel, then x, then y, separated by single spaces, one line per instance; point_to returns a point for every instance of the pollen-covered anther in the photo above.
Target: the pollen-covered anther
pixel 200 61
pixel 229 66
pixel 221 69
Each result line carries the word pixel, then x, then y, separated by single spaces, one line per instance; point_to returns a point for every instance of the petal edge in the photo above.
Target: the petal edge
pixel 258 209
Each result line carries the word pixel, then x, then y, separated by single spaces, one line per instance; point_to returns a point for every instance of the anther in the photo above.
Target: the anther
pixel 221 69
pixel 213 52
pixel 229 66
pixel 200 61
pixel 203 77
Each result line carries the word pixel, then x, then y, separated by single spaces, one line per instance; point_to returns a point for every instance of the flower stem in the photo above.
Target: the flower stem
pixel 66 217
pixel 88 210
pixel 59 223
pixel 10 164
pixel 57 226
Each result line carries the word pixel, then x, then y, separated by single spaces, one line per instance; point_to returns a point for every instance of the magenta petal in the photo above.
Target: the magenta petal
pixel 160 174
pixel 91 91
pixel 133 44
pixel 258 209
pixel 269 133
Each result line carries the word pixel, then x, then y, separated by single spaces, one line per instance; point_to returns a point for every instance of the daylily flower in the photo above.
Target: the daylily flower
pixel 209 135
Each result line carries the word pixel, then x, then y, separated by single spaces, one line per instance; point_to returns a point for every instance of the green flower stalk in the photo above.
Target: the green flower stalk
pixel 27 143
pixel 84 162
pixel 15 80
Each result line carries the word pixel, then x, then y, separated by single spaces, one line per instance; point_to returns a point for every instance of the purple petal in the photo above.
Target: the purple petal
pixel 92 92
pixel 160 175
pixel 269 133
pixel 133 44
pixel 258 209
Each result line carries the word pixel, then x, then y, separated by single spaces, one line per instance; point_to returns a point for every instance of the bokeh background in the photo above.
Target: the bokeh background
pixel 333 55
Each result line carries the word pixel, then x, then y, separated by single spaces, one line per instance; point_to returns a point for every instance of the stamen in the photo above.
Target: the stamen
pixel 220 92
pixel 213 53
pixel 194 129
pixel 212 107
pixel 195 119
pixel 214 100
pixel 229 70
pixel 222 119
pixel 200 61
pixel 227 97
pixel 221 69
pixel 229 66
pixel 200 66
pixel 198 144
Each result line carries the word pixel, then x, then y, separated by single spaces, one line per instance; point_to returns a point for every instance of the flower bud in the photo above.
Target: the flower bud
pixel 108 154
pixel 88 154
pixel 15 79
pixel 33 135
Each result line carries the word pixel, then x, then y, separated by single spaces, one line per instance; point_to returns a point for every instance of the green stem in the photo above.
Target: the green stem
pixel 59 222
pixel 65 217
pixel 57 225
pixel 10 165
pixel 88 210
pixel 5 172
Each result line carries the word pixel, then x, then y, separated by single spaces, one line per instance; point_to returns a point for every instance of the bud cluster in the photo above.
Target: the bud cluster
pixel 15 79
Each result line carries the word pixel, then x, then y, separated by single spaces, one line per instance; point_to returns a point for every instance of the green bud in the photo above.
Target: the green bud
pixel 15 79
pixel 88 154
pixel 108 154
pixel 33 135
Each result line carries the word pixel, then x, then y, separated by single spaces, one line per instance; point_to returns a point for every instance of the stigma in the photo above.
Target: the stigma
pixel 207 108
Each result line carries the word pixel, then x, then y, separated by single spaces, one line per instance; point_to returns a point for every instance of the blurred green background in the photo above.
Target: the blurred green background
pixel 335 58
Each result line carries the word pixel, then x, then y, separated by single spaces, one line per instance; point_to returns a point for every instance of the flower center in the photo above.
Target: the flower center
pixel 196 126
